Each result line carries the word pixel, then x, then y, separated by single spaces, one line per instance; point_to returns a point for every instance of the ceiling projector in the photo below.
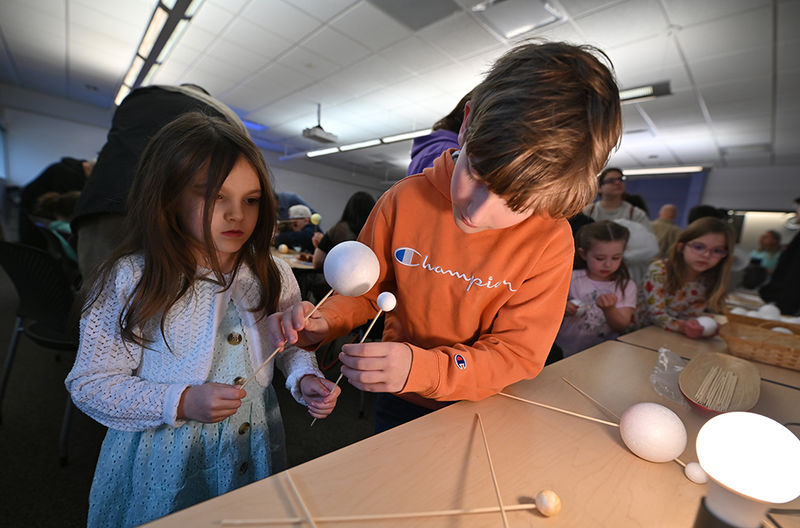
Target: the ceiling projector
pixel 317 133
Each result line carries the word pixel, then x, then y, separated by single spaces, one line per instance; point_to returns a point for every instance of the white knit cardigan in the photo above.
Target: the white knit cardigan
pixel 132 388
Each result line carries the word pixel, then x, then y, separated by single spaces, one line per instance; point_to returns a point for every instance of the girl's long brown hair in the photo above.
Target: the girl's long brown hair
pixel 716 278
pixel 603 231
pixel 191 144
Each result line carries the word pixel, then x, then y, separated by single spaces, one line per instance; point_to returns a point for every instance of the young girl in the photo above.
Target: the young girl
pixel 602 297
pixel 175 322
pixel 693 279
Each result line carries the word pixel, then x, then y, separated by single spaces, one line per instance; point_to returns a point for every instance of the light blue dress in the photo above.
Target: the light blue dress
pixel 141 476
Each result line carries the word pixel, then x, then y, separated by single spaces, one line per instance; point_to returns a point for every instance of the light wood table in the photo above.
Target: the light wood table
pixel 439 462
pixel 292 259
pixel 653 338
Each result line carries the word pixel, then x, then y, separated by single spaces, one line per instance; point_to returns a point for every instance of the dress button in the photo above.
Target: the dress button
pixel 238 380
pixel 234 338
pixel 243 468
pixel 244 428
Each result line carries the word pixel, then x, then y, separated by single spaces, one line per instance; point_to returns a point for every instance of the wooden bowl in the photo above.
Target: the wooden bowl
pixel 704 368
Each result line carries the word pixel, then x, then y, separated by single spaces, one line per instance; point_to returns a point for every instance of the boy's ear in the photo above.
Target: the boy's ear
pixel 463 125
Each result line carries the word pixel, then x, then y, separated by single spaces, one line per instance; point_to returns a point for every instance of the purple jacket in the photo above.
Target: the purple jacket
pixel 425 149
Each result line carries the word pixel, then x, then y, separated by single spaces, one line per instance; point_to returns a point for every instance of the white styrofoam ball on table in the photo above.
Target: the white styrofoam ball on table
pixel 739 310
pixel 283 248
pixel 781 329
pixel 695 473
pixel 769 311
pixel 652 432
pixel 548 503
pixel 754 313
pixel 709 325
pixel 387 301
pixel 351 268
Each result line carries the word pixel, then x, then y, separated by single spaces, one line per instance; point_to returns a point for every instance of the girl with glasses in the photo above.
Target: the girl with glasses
pixel 692 279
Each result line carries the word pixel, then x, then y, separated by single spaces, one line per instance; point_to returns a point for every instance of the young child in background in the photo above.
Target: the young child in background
pixel 175 319
pixel 477 249
pixel 693 279
pixel 602 298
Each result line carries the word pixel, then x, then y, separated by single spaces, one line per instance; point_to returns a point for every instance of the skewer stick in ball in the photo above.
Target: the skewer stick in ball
pixel 386 303
pixel 351 269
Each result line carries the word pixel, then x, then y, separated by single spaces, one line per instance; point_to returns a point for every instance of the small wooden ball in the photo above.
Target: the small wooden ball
pixel 548 503
pixel 316 218
pixel 283 248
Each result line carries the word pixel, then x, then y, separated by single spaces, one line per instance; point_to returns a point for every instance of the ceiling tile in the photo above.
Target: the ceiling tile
pixel 370 26
pixel 692 12
pixel 612 26
pixel 281 18
pixel 323 9
pixel 731 68
pixel 211 18
pixel 458 36
pixel 242 57
pixel 335 47
pixel 255 38
pixel 724 36
pixel 313 65
pixel 415 55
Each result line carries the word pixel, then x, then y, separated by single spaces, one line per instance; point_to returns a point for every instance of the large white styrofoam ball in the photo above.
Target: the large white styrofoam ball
pixel 387 301
pixel 709 325
pixel 652 432
pixel 351 268
pixel 769 311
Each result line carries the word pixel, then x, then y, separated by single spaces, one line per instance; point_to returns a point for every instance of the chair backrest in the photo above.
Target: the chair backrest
pixel 44 290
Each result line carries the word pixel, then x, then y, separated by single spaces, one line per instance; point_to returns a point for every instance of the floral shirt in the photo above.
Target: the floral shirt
pixel 666 310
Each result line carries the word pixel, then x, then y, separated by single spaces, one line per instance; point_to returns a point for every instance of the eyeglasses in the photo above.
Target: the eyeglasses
pixel 702 249
pixel 615 180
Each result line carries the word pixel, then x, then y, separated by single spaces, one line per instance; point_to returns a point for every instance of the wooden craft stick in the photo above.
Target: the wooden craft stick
pixel 598 420
pixel 300 500
pixel 266 361
pixel 606 409
pixel 375 516
pixel 491 470
pixel 360 342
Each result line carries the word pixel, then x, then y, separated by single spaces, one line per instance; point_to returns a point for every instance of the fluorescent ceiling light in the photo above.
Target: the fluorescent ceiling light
pixel 322 152
pixel 134 70
pixel 153 31
pixel 362 144
pixel 407 135
pixel 644 93
pixel 663 170
pixel 122 94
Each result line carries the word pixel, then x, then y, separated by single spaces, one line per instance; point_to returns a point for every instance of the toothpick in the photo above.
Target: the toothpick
pixel 376 516
pixel 491 470
pixel 598 420
pixel 300 500
pixel 253 375
pixel 360 342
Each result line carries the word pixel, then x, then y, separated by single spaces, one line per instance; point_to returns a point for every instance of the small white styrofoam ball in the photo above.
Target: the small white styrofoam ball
pixel 387 301
pixel 754 313
pixel 769 311
pixel 652 432
pixel 548 503
pixel 695 473
pixel 739 310
pixel 709 325
pixel 351 268
pixel 283 248
pixel 781 329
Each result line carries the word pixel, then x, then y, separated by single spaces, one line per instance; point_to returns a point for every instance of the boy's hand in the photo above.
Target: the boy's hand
pixel 210 402
pixel 376 367
pixel 571 309
pixel 607 300
pixel 290 327
pixel 693 329
pixel 320 395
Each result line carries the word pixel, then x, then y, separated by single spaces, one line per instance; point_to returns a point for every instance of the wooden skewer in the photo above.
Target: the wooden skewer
pixel 598 420
pixel 300 500
pixel 491 469
pixel 360 342
pixel 376 516
pixel 264 364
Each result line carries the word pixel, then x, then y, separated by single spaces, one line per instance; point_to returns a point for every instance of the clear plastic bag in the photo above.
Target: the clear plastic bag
pixel 666 372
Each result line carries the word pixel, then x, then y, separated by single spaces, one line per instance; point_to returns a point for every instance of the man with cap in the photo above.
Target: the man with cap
pixel 302 230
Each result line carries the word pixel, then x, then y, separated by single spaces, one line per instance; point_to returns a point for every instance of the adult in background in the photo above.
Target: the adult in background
pixel 288 199
pixel 97 220
pixel 783 287
pixel 665 229
pixel 425 149
pixel 355 214
pixel 612 205
pixel 302 230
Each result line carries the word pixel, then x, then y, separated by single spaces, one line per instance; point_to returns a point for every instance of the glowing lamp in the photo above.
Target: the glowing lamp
pixel 753 463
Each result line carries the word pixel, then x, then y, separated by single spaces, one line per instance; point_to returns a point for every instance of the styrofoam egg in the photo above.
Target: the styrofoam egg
pixel 781 329
pixel 739 310
pixel 548 503
pixel 695 473
pixel 283 248
pixel 387 301
pixel 709 325
pixel 769 311
pixel 652 432
pixel 351 268
pixel 316 218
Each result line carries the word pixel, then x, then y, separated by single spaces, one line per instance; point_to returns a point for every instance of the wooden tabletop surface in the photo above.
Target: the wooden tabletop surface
pixel 439 461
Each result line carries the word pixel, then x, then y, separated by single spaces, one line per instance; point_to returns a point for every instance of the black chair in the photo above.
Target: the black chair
pixel 44 313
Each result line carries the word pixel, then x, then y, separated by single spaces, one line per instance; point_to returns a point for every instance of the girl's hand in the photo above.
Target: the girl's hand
pixel 290 327
pixel 376 367
pixel 320 394
pixel 607 300
pixel 210 402
pixel 692 329
pixel 571 309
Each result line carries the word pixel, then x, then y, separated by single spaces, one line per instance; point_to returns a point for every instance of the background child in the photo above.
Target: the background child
pixel 176 319
pixel 477 249
pixel 602 298
pixel 692 280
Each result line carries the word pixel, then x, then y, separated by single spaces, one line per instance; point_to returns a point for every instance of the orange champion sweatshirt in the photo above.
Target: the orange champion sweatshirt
pixel 479 311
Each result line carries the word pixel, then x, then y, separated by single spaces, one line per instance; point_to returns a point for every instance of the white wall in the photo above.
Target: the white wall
pixel 753 188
